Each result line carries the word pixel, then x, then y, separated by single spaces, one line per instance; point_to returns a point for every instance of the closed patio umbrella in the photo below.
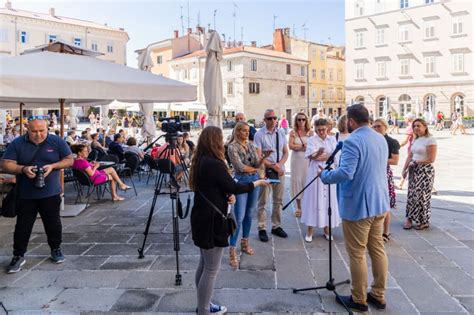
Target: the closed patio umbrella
pixel 149 126
pixel 213 92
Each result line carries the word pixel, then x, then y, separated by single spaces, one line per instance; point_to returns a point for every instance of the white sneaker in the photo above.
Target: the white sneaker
pixel 326 236
pixel 308 238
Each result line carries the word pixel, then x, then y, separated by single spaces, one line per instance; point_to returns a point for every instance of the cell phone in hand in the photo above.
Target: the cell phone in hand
pixel 272 181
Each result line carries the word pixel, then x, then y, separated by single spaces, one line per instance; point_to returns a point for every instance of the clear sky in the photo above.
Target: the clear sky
pixel 151 21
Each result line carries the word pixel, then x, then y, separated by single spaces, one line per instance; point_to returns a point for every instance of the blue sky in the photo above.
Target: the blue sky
pixel 151 21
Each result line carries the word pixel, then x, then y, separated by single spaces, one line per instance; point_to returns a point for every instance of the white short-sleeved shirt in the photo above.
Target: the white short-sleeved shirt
pixel 418 147
pixel 266 140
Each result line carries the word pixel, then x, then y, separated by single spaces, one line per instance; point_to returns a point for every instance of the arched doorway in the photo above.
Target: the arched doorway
pixel 404 105
pixel 360 100
pixel 457 101
pixel 382 106
pixel 429 108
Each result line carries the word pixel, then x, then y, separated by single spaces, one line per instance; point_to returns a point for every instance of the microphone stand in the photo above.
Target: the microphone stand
pixel 330 285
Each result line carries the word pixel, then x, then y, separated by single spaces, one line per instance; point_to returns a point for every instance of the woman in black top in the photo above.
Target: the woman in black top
pixel 381 126
pixel 213 186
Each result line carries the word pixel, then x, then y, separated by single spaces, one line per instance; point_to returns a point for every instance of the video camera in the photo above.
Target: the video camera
pixel 173 125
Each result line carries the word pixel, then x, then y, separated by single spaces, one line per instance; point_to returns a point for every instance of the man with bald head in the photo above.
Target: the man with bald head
pixel 24 156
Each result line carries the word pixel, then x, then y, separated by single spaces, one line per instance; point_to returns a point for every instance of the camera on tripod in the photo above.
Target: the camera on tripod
pixel 173 125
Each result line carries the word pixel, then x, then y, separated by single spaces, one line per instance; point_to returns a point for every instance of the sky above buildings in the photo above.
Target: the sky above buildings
pixel 150 21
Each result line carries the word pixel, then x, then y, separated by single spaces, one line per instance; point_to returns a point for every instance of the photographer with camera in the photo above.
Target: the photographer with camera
pixel 36 159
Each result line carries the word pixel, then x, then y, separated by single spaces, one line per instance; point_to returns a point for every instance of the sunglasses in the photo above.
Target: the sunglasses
pixel 271 118
pixel 321 130
pixel 40 117
pixel 377 126
pixel 301 119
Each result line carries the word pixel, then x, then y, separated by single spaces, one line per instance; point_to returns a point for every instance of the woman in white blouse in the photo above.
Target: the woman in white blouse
pixel 420 170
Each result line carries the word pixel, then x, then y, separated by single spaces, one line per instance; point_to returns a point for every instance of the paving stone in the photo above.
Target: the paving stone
pixel 463 257
pixel 293 241
pixel 180 301
pixel 32 262
pixel 167 249
pixel 437 300
pixel 135 229
pixel 19 299
pixel 461 233
pixel 397 303
pixel 468 243
pixel 67 249
pixel 261 260
pixel 452 279
pixel 89 299
pixel 37 279
pixel 290 272
pixel 321 272
pixel 128 263
pixel 428 258
pixel 157 238
pixel 186 262
pixel 157 279
pixel 404 266
pixel 113 249
pixel 136 301
pixel 246 279
pixel 467 302
pixel 105 238
pixel 66 238
pixel 122 221
pixel 90 279
pixel 74 263
pixel 414 242
pixel 319 249
pixel 87 228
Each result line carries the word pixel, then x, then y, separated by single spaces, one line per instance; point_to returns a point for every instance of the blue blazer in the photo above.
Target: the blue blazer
pixel 361 175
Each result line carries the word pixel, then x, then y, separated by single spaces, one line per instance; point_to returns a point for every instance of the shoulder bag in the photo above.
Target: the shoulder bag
pixel 231 224
pixel 269 172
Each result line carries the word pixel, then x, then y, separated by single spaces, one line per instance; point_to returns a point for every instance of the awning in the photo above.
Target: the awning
pixel 189 107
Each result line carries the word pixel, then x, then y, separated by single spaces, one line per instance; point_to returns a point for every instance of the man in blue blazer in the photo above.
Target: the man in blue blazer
pixel 363 201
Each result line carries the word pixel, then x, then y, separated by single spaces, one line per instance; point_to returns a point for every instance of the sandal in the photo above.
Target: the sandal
pixel 421 226
pixel 408 225
pixel 118 199
pixel 245 247
pixel 298 213
pixel 233 261
pixel 386 237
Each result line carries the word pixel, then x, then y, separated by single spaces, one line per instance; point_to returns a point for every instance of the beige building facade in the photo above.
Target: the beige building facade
pixel 411 55
pixel 21 30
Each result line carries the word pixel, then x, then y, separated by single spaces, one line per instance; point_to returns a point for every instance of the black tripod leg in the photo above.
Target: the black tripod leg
pixel 148 223
pixel 308 289
pixel 178 279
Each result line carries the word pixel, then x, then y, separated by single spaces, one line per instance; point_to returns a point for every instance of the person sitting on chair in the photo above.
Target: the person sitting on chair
pixel 116 148
pixel 174 156
pixel 97 176
pixel 132 147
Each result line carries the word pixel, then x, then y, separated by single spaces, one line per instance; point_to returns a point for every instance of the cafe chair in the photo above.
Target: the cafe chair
pixel 84 180
pixel 132 161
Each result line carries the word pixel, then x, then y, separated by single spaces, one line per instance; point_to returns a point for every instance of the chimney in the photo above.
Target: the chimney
pixel 8 5
pixel 200 30
pixel 278 40
pixel 176 33
pixel 52 12
pixel 253 43
pixel 286 31
pixel 190 30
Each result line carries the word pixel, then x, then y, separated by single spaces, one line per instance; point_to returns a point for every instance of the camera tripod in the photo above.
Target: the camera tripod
pixel 166 167
pixel 330 284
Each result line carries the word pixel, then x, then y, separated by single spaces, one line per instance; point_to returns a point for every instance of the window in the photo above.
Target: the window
pixel 254 88
pixel 381 106
pixel 458 62
pixel 288 69
pixel 302 90
pixel 322 55
pixel 186 74
pixel 405 66
pixel 403 32
pixel 110 48
pixel 339 94
pixel 430 65
pixel 404 104
pixel 94 46
pixel 403 4
pixel 339 75
pixel 314 73
pixel 331 93
pixel 77 41
pixel 381 69
pixel 3 35
pixel 302 71
pixel 253 64
pixel 159 60
pixel 52 38
pixel 194 73
pixel 313 93
pixel 23 37
pixel 360 71
pixel 457 25
pixel 380 36
pixel 323 74
pixel 359 40
pixel 230 88
pixel 230 65
pixel 429 1
pixel 288 90
pixel 331 75
pixel 358 9
pixel 429 29
pixel 323 94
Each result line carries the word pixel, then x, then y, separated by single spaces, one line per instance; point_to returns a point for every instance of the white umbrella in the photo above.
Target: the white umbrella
pixel 457 102
pixel 385 108
pixel 430 109
pixel 149 126
pixel 72 121
pixel 213 92
pixel 320 104
pixel 417 107
pixel 104 116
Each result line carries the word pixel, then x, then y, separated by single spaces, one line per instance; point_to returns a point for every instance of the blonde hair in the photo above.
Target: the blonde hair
pixel 382 121
pixel 307 125
pixel 238 126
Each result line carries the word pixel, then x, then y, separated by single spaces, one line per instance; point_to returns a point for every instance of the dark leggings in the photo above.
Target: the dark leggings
pixel 27 211
pixel 206 274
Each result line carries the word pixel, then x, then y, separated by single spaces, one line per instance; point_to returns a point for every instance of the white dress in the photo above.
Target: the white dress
pixel 315 199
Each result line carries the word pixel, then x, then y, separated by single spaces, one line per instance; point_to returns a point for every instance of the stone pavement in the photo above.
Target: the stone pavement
pixel 431 271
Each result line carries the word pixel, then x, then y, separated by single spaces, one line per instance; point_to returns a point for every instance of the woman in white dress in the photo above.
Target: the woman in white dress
pixel 299 163
pixel 316 199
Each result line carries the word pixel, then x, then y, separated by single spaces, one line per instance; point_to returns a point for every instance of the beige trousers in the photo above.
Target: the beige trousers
pixel 277 197
pixel 361 236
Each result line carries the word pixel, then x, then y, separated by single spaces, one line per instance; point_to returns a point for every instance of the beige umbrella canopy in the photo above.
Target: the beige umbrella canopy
pixel 213 92
pixel 61 46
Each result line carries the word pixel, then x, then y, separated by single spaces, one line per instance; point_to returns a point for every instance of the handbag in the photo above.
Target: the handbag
pixel 10 201
pixel 269 172
pixel 230 220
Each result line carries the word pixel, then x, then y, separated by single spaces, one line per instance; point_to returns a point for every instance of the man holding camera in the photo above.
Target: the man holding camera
pixel 36 159
pixel 271 142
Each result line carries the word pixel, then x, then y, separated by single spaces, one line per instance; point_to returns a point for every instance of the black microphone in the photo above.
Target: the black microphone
pixel 338 148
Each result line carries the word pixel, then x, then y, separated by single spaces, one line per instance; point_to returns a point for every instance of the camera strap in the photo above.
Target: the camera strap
pixel 35 155
pixel 212 205
pixel 278 145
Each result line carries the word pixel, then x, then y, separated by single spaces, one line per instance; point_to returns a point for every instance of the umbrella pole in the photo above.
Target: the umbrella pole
pixel 21 118
pixel 61 134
